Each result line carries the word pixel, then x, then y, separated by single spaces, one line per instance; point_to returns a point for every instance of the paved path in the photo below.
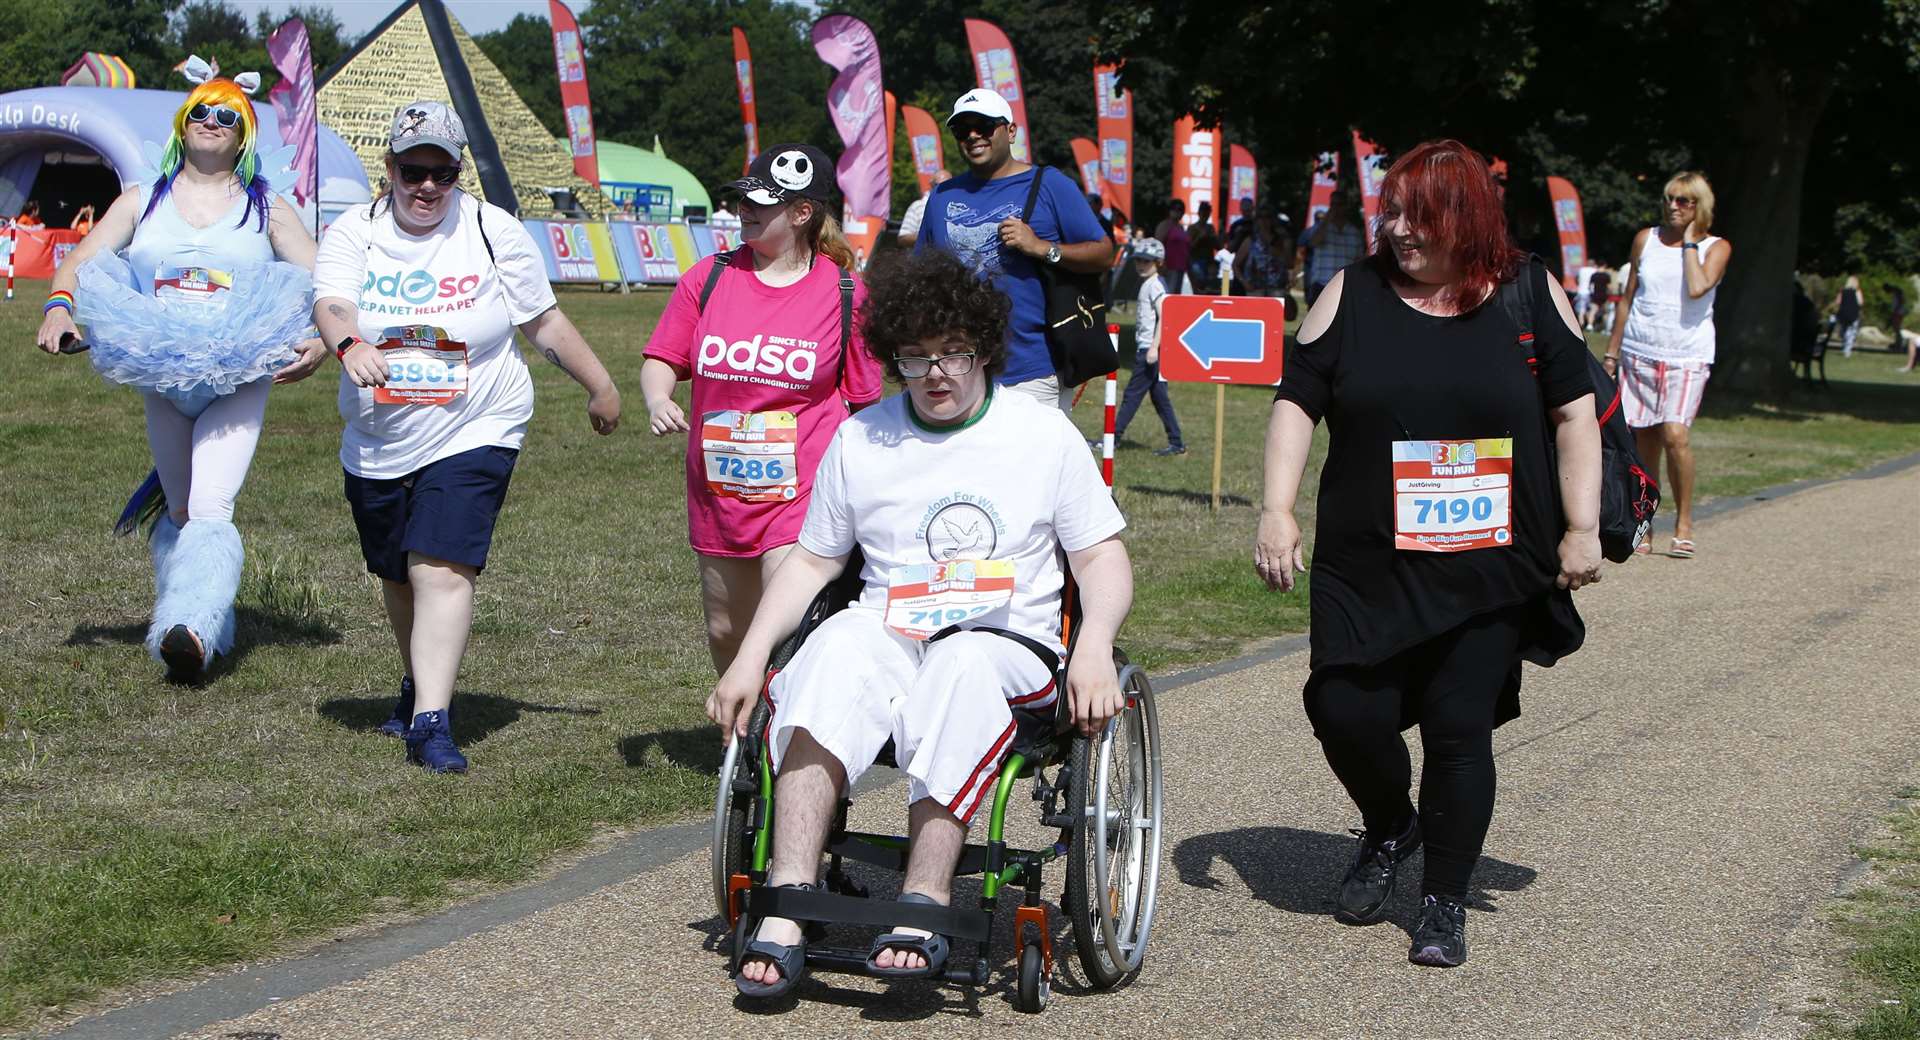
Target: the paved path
pixel 1676 799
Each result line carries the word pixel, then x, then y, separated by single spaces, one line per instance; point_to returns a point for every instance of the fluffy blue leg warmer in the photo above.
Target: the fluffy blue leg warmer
pixel 198 579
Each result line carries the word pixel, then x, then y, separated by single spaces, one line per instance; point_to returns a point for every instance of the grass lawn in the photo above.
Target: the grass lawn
pixel 1879 997
pixel 146 830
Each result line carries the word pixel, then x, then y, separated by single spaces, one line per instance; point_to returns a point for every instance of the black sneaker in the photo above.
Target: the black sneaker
pixel 1170 450
pixel 1441 939
pixel 1369 882
pixel 184 655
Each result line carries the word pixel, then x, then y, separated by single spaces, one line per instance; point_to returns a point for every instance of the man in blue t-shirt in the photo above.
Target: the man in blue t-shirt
pixel 976 217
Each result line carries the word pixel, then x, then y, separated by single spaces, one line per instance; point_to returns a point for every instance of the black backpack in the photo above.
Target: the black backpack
pixel 1628 495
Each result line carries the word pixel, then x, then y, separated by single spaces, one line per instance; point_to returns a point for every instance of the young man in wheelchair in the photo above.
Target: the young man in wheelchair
pixel 962 501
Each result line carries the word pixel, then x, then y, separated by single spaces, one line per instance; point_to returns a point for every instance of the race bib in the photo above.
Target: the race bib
pixel 194 286
pixel 1449 496
pixel 924 598
pixel 423 366
pixel 751 456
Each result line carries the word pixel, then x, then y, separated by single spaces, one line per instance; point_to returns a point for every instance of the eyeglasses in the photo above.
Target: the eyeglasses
pixel 966 128
pixel 951 364
pixel 442 175
pixel 221 116
pixel 1681 201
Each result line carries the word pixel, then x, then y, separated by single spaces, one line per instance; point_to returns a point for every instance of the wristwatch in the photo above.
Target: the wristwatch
pixel 1053 253
pixel 340 349
pixel 1690 245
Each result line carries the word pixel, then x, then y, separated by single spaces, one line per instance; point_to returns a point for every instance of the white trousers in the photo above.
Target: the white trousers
pixel 1047 391
pixel 203 460
pixel 947 705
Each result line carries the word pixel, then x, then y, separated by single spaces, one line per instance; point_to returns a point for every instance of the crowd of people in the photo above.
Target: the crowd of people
pixel 798 464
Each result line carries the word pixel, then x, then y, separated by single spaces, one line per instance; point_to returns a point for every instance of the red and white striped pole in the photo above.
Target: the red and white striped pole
pixel 1106 439
pixel 13 246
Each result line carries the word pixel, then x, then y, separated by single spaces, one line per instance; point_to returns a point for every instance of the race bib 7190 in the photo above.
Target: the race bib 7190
pixel 1450 496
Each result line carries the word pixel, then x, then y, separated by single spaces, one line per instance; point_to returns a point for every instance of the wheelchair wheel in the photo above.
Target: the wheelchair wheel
pixel 1113 872
pixel 1034 987
pixel 739 784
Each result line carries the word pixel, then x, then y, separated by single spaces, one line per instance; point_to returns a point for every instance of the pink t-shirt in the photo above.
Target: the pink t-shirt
pixel 769 378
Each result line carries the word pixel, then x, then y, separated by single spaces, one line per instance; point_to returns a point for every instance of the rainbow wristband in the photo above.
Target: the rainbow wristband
pixel 58 298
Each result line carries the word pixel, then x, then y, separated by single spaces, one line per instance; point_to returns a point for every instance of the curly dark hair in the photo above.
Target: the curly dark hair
pixel 915 296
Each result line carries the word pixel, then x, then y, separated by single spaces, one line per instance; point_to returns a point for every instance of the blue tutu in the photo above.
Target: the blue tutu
pixel 189 351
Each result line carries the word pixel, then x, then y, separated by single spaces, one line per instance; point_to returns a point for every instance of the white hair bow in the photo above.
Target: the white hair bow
pixel 199 70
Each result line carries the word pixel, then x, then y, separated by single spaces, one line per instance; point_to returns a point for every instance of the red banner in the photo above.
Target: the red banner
pixel 1370 166
pixel 1243 181
pixel 893 130
pixel 570 61
pixel 743 79
pixel 1086 156
pixel 1196 166
pixel 1114 107
pixel 997 69
pixel 923 134
pixel 1325 175
pixel 1572 225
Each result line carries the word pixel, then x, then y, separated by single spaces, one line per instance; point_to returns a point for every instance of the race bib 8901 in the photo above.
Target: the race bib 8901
pixel 1450 496
pixel 423 366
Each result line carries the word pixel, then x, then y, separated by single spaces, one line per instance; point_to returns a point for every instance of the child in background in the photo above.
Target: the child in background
pixel 1147 256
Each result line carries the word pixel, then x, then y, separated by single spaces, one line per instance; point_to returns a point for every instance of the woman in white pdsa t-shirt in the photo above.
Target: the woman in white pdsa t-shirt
pixel 420 294
pixel 961 499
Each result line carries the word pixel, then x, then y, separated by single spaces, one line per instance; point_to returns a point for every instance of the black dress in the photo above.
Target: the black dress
pixel 1384 372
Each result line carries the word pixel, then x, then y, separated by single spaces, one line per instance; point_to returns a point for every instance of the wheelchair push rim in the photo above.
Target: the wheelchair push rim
pixel 1126 819
pixel 722 829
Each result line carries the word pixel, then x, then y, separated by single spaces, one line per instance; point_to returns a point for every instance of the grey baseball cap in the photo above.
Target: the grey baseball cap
pixel 427 122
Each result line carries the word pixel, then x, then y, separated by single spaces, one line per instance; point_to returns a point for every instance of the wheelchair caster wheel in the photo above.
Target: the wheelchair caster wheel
pixel 1035 987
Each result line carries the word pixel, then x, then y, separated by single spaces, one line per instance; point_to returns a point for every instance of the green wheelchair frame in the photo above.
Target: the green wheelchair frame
pixel 1104 798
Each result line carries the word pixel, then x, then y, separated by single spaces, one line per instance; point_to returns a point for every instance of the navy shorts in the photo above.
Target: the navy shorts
pixel 445 510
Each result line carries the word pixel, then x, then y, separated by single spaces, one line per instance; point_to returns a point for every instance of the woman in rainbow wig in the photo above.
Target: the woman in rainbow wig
pixel 195 289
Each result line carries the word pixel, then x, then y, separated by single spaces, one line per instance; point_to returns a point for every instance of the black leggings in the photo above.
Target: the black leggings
pixel 1452 683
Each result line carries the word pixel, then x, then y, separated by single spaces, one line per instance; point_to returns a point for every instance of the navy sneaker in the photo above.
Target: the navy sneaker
pixel 1441 939
pixel 430 744
pixel 1369 882
pixel 1171 449
pixel 396 724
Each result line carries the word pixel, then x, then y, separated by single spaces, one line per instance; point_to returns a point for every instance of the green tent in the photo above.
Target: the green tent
pixel 656 185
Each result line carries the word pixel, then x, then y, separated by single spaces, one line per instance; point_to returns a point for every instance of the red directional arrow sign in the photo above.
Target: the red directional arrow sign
pixel 1222 339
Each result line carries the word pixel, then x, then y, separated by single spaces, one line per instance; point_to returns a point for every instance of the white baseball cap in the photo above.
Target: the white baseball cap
pixel 982 102
pixel 427 122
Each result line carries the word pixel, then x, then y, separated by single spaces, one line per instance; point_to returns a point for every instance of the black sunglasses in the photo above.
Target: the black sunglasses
pixel 223 117
pixel 965 128
pixel 442 175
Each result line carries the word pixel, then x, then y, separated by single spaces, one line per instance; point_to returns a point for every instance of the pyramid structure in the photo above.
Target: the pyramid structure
pixel 421 51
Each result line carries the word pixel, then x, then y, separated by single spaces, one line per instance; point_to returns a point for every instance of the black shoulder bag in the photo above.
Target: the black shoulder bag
pixel 1628 495
pixel 1077 336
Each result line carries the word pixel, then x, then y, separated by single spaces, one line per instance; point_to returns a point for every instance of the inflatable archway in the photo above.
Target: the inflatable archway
pixel 115 123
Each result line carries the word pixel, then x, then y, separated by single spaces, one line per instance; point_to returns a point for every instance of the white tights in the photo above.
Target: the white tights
pixel 203 461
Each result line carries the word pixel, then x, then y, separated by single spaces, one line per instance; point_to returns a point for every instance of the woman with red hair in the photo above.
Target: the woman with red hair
pixel 1458 506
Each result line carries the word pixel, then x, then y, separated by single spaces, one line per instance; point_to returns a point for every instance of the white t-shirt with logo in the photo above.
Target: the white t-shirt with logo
pixel 443 279
pixel 1016 485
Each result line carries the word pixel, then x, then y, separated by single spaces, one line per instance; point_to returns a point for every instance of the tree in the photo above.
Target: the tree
pixel 1738 89
pixel 667 71
pixel 36 47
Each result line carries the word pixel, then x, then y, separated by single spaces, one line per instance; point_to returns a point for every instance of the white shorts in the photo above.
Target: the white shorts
pixel 947 705
pixel 1656 392
pixel 1047 391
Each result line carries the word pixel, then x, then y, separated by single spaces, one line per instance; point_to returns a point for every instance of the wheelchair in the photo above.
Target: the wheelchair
pixel 1103 796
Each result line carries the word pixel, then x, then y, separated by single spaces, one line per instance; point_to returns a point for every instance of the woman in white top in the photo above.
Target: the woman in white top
pixel 1661 349
pixel 420 294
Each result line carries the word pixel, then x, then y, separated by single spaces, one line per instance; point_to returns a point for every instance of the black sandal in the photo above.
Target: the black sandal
pixel 933 947
pixel 791 960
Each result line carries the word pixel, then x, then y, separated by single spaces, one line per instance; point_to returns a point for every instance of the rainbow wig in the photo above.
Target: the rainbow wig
pixel 218 92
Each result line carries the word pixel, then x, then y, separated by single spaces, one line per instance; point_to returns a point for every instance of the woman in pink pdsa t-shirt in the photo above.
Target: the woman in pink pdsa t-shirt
pixel 775 364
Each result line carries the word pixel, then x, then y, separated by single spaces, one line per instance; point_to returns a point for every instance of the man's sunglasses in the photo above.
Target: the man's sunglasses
pixel 221 116
pixel 966 128
pixel 442 175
